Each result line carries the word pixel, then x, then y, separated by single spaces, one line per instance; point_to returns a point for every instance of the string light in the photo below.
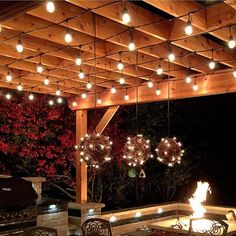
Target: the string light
pixel 158 91
pixel 50 6
pixel 81 74
pixel 113 90
pixel 131 43
pixel 195 86
pixel 171 55
pixel 31 96
pixel 89 85
pixel 8 96
pixel 83 95
pixel 126 97
pixel 51 102
pixel 159 69
pixel 150 84
pixel 58 92
pixel 74 104
pixel 231 43
pixel 19 46
pixel 99 101
pixel 19 87
pixel 68 36
pixel 8 76
pixel 188 29
pixel 40 66
pixel 78 61
pixel 120 65
pixel 59 100
pixel 46 81
pixel 212 63
pixel 188 79
pixel 125 16
pixel 234 73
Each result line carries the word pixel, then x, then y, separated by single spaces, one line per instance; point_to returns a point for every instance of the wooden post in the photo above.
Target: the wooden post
pixel 81 169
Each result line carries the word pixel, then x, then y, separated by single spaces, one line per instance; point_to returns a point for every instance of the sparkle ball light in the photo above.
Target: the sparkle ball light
pixel 137 150
pixel 169 151
pixel 95 149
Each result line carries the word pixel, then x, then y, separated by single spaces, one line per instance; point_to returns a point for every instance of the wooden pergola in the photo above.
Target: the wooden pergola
pixel 101 39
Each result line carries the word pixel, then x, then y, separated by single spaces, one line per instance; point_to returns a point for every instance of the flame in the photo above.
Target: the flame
pixel 198 197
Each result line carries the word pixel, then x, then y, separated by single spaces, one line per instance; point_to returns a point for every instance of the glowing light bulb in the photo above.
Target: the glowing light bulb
pixel 113 90
pixel 68 37
pixel 8 77
pixel 31 97
pixel 78 61
pixel 150 84
pixel 59 100
pixel 74 104
pixel 40 68
pixel 212 65
pixel 120 66
pixel 8 96
pixel 58 92
pixel 159 70
pixel 81 74
pixel 231 42
pixel 188 79
pixel 158 92
pixel 122 80
pixel 19 46
pixel 51 102
pixel 132 46
pixel 84 95
pixel 50 6
pixel 99 101
pixel 188 29
pixel 195 87
pixel 89 85
pixel 126 97
pixel 234 73
pixel 46 81
pixel 20 87
pixel 171 56
pixel 125 16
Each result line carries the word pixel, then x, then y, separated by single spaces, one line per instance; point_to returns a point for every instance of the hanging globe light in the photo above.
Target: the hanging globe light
pixel 169 151
pixel 137 150
pixel 95 149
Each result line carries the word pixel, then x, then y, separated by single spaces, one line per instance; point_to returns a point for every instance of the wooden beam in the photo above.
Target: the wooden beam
pixel 208 85
pixel 81 169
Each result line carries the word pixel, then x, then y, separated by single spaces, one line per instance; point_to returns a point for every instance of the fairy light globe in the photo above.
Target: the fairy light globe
pixel 188 79
pixel 31 97
pixel 169 151
pixel 159 70
pixel 234 73
pixel 137 150
pixel 95 150
pixel 212 65
pixel 188 29
pixel 50 6
pixel 121 80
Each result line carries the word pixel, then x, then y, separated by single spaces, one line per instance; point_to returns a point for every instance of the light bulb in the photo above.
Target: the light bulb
pixel 40 68
pixel 50 7
pixel 19 46
pixel 122 80
pixel 58 92
pixel 68 37
pixel 84 95
pixel 212 65
pixel 159 70
pixel 8 77
pixel 8 96
pixel 231 42
pixel 171 56
pixel 125 16
pixel 195 87
pixel 89 85
pixel 113 90
pixel 188 29
pixel 81 74
pixel 120 66
pixel 99 101
pixel 132 46
pixel 51 102
pixel 20 87
pixel 31 97
pixel 234 73
pixel 188 79
pixel 150 84
pixel 158 92
pixel 74 104
pixel 78 61
pixel 59 100
pixel 126 97
pixel 46 81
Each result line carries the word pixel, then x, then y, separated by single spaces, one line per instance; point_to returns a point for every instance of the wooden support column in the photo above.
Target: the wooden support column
pixel 81 170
